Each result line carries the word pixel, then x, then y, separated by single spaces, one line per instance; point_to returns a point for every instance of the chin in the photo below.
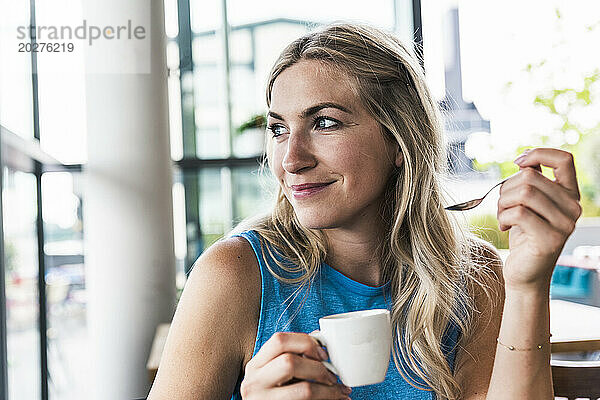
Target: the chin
pixel 316 219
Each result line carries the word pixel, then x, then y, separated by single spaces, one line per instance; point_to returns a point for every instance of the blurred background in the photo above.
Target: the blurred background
pixel 509 76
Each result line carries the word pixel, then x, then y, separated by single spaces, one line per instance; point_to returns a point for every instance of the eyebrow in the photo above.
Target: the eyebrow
pixel 313 110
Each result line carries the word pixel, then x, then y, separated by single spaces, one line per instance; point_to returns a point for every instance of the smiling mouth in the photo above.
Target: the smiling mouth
pixel 302 191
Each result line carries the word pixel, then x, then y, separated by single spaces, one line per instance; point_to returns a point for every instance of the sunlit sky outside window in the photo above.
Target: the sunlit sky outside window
pixel 498 41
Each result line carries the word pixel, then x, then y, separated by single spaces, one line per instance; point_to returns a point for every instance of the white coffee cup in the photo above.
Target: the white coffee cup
pixel 359 345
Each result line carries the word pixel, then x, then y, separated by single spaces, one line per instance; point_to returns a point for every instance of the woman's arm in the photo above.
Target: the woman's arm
pixel 486 370
pixel 525 325
pixel 540 214
pixel 216 317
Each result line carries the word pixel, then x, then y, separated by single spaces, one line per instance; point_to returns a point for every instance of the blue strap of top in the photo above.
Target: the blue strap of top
pixel 286 309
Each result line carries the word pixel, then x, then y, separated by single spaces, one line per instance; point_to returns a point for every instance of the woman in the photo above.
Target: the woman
pixel 355 142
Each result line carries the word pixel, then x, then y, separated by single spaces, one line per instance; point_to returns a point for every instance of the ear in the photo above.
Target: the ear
pixel 399 157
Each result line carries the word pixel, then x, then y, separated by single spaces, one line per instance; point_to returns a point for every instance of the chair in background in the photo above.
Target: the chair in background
pixel 576 379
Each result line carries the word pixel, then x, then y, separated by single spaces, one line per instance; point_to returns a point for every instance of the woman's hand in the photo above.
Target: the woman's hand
pixel 287 367
pixel 540 213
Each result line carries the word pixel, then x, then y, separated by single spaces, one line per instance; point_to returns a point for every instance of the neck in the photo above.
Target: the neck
pixel 353 252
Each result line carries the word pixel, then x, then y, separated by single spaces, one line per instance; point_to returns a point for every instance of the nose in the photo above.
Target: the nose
pixel 298 155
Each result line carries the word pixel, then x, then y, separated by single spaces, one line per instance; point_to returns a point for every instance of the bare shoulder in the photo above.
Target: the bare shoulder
pixel 230 268
pixel 230 259
pixel 475 355
pixel 214 325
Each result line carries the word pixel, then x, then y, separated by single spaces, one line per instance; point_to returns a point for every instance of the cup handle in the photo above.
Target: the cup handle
pixel 321 339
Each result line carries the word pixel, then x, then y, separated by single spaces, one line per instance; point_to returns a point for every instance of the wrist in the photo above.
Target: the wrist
pixel 536 287
pixel 527 291
pixel 522 278
pixel 526 318
pixel 527 298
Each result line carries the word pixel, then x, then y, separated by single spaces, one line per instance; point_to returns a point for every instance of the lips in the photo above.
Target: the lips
pixel 307 190
pixel 306 186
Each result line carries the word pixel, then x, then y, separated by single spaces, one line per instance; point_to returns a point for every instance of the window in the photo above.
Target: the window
pixel 42 265
pixel 21 277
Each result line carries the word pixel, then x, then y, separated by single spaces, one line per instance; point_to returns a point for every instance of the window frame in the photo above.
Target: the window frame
pixel 25 155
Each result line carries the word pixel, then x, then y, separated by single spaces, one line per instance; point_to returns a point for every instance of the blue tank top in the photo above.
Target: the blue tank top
pixel 331 293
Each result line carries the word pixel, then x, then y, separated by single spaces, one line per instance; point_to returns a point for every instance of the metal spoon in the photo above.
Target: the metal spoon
pixel 467 205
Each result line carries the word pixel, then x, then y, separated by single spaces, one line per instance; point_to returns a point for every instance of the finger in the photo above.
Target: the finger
pixel 537 201
pixel 555 192
pixel 308 390
pixel 287 342
pixel 288 366
pixel 531 225
pixel 538 168
pixel 318 341
pixel 560 161
pixel 527 220
pixel 522 217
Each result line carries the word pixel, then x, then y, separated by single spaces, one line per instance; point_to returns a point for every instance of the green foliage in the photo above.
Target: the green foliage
pixel 558 14
pixel 486 227
pixel 572 96
pixel 506 168
pixel 258 121
pixel 587 144
pixel 590 207
pixel 582 141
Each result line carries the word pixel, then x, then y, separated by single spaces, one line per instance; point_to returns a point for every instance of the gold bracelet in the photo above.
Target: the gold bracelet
pixel 513 348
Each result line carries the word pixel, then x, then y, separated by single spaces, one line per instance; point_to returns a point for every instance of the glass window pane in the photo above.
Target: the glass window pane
pixel 209 81
pixel 245 107
pixel 21 275
pixel 209 98
pixel 179 229
pixel 16 105
pixel 253 192
pixel 241 39
pixel 61 88
pixel 205 15
pixel 213 213
pixel 175 102
pixel 65 285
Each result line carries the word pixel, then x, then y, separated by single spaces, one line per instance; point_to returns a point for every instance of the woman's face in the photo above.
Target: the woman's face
pixel 322 135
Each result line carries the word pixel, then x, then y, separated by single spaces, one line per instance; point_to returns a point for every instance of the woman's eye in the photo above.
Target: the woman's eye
pixel 322 123
pixel 276 130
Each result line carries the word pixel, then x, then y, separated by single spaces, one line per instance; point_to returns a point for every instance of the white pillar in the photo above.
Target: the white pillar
pixel 128 202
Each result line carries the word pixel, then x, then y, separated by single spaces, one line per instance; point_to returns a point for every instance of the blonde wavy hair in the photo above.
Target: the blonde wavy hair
pixel 433 263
